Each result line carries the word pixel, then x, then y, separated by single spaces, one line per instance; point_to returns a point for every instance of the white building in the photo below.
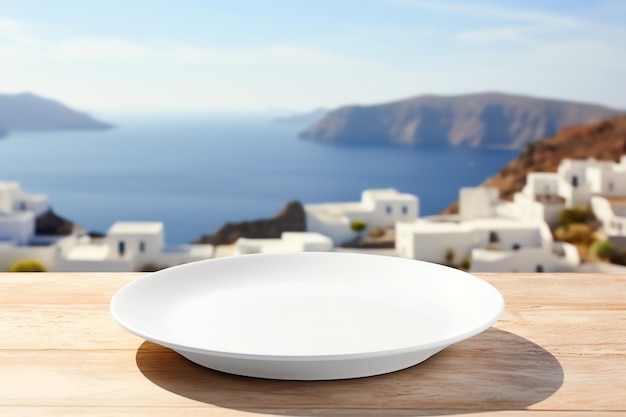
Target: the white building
pixel 482 236
pixel 288 242
pixel 430 240
pixel 128 246
pixel 377 208
pixel 18 212
pixel 538 200
pixel 478 202
pixel 580 179
pixel 562 258
pixel 13 199
pixel 546 194
pixel 611 211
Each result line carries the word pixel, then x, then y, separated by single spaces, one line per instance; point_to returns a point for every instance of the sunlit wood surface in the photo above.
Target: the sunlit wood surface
pixel 558 350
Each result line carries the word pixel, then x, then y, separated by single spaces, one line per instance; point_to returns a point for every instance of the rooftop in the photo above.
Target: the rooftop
pixel 139 228
pixel 433 225
pixel 333 212
pixel 389 193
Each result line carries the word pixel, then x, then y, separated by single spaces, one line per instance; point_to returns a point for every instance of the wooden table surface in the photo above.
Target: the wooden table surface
pixel 558 350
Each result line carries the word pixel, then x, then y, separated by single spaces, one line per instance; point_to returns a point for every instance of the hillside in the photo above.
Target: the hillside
pixel 475 120
pixel 28 112
pixel 601 140
pixel 290 219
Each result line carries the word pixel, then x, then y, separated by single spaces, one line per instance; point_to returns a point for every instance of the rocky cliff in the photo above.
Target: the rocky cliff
pixel 49 223
pixel 601 140
pixel 290 219
pixel 474 120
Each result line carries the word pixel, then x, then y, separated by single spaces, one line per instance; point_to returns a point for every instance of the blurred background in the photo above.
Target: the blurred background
pixel 200 113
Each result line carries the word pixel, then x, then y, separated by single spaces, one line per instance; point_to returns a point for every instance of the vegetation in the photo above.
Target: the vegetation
pixel 358 226
pixel 449 257
pixel 466 263
pixel 576 226
pixel 576 234
pixel 27 266
pixel 582 214
pixel 151 267
pixel 603 249
pixel 376 232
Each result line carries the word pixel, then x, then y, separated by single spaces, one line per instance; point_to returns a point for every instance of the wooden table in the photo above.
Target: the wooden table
pixel 559 350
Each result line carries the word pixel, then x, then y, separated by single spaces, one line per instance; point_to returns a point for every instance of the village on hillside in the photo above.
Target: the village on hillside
pixel 570 220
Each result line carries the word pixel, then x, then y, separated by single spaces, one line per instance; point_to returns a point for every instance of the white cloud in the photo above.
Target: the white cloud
pixel 10 27
pixel 97 49
pixel 495 35
pixel 493 11
pixel 113 72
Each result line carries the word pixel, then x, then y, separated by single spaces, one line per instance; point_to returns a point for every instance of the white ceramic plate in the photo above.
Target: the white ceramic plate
pixel 307 316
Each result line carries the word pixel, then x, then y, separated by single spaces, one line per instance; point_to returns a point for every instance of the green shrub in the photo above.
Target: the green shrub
pixel 575 233
pixel 358 226
pixel 575 215
pixel 466 263
pixel 449 257
pixel 603 249
pixel 27 266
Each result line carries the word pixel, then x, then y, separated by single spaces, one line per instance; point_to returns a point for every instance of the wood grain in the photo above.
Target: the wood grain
pixel 558 350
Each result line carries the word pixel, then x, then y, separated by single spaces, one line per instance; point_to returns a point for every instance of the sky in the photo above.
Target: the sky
pixel 263 55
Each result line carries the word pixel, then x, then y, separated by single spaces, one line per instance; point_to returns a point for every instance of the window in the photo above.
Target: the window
pixel 405 210
pixel 142 246
pixel 23 206
pixel 539 268
pixel 516 246
pixel 611 186
pixel 574 181
pixel 388 209
pixel 493 237
pixel 121 248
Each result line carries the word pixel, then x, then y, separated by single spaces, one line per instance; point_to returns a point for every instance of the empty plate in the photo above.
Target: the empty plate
pixel 307 316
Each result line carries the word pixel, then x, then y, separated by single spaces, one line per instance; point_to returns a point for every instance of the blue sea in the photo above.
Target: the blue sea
pixel 197 172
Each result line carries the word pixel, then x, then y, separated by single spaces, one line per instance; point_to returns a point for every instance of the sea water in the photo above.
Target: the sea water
pixel 197 172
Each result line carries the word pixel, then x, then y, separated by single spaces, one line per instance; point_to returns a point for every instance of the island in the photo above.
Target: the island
pixel 26 112
pixel 486 120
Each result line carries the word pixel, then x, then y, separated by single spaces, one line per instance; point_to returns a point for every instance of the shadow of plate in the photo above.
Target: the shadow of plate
pixel 496 370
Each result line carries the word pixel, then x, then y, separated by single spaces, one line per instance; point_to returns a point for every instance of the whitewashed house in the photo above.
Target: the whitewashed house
pixel 558 257
pixel 129 246
pixel 18 212
pixel 479 235
pixel 546 194
pixel 611 211
pixel 579 180
pixel 538 200
pixel 18 242
pixel 430 240
pixel 378 208
pixel 478 202
pixel 288 242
